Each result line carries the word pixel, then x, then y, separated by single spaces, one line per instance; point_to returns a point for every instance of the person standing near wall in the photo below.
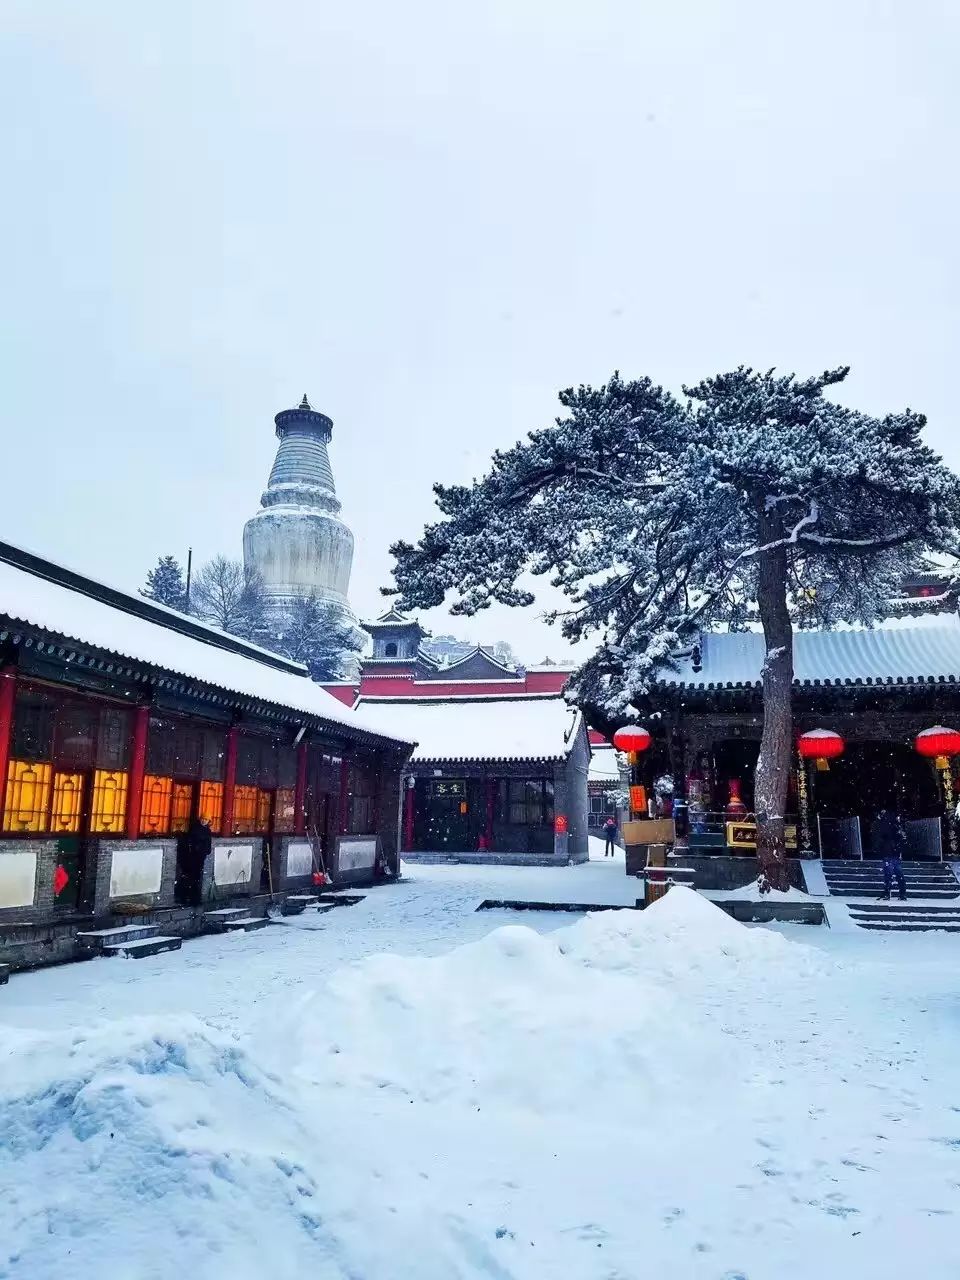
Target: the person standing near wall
pixel 610 837
pixel 193 849
pixel 888 840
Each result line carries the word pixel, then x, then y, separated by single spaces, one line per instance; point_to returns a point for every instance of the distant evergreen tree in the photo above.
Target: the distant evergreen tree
pixel 317 634
pixel 758 501
pixel 165 583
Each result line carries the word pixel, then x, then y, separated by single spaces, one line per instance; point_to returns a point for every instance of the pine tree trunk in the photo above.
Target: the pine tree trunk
pixel 776 745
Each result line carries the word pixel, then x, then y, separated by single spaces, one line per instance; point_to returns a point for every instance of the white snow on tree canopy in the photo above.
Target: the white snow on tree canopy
pixel 475 729
pixel 34 601
pixel 916 649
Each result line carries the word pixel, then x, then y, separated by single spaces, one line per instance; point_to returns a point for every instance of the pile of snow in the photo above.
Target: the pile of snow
pixel 135 1143
pixel 416 1119
pixel 507 1019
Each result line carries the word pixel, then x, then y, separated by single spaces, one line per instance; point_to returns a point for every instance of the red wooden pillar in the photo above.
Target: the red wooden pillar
pixel 138 767
pixel 8 693
pixel 408 813
pixel 300 795
pixel 344 797
pixel 229 779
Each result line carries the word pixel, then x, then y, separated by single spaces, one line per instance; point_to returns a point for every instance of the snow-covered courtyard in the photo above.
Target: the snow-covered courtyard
pixel 410 1089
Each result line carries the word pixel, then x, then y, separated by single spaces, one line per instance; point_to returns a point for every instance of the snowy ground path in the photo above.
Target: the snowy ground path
pixel 409 1090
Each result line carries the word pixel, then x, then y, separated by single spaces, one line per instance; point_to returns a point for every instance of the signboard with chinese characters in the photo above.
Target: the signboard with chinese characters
pixel 453 787
pixel 743 835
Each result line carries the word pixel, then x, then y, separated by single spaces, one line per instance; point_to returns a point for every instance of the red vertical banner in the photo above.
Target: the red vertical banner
pixel 344 797
pixel 8 693
pixel 229 779
pixel 138 767
pixel 409 804
pixel 300 795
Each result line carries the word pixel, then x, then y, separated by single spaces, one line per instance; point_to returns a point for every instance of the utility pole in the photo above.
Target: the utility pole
pixel 186 594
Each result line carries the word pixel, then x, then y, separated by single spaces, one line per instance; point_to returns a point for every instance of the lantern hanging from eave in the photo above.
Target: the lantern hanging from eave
pixel 633 739
pixel 938 744
pixel 822 745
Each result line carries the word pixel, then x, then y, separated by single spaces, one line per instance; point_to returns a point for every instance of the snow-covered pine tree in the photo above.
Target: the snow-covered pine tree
pixel 165 583
pixel 317 634
pixel 658 519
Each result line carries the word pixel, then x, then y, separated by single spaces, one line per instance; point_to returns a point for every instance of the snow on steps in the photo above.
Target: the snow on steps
pixel 96 941
pixel 905 917
pixel 849 878
pixel 234 920
pixel 140 948
pixel 134 940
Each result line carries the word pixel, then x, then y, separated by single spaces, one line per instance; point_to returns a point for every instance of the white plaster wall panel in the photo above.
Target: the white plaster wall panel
pixel 134 872
pixel 299 858
pixel 233 864
pixel 18 878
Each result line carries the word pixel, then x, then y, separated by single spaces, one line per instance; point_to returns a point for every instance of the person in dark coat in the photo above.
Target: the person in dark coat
pixel 609 836
pixel 888 841
pixel 193 849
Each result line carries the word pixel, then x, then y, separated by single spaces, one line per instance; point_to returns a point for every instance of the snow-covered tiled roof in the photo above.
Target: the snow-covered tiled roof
pixel 481 729
pixel 603 765
pixel 899 651
pixel 74 614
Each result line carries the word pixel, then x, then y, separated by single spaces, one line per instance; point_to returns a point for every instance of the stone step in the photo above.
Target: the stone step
pixel 906 917
pixel 898 904
pixel 870 873
pixel 219 914
pixel 96 941
pixel 243 924
pixel 935 895
pixel 341 899
pixel 870 864
pixel 889 927
pixel 294 904
pixel 4 974
pixel 140 948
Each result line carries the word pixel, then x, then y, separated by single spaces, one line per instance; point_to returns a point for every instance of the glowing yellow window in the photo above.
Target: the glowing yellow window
pixel 286 808
pixel 211 804
pixel 67 803
pixel 182 804
pixel 263 811
pixel 109 801
pixel 28 796
pixel 244 809
pixel 155 810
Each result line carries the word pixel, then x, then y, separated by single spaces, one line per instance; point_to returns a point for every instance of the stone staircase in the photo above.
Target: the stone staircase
pixel 296 903
pixel 134 940
pixel 905 917
pixel 851 878
pixel 234 920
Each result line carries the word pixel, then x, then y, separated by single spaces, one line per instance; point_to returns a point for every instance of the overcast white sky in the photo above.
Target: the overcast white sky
pixel 430 217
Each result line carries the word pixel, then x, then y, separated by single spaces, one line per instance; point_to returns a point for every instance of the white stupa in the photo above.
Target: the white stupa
pixel 297 542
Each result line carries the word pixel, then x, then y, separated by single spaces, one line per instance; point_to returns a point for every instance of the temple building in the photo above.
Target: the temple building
pixel 123 724
pixel 297 543
pixel 502 764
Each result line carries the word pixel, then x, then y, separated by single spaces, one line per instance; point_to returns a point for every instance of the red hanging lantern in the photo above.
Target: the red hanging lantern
pixel 938 744
pixel 822 745
pixel 632 737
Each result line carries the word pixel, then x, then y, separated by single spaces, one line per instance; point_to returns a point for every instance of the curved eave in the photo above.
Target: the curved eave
pixel 860 682
pixel 72 652
pixel 428 760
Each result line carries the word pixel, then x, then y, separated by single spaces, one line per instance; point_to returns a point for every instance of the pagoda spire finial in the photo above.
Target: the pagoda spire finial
pixel 305 403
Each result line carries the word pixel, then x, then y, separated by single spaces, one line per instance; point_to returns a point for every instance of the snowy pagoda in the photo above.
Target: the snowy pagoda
pixel 297 543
